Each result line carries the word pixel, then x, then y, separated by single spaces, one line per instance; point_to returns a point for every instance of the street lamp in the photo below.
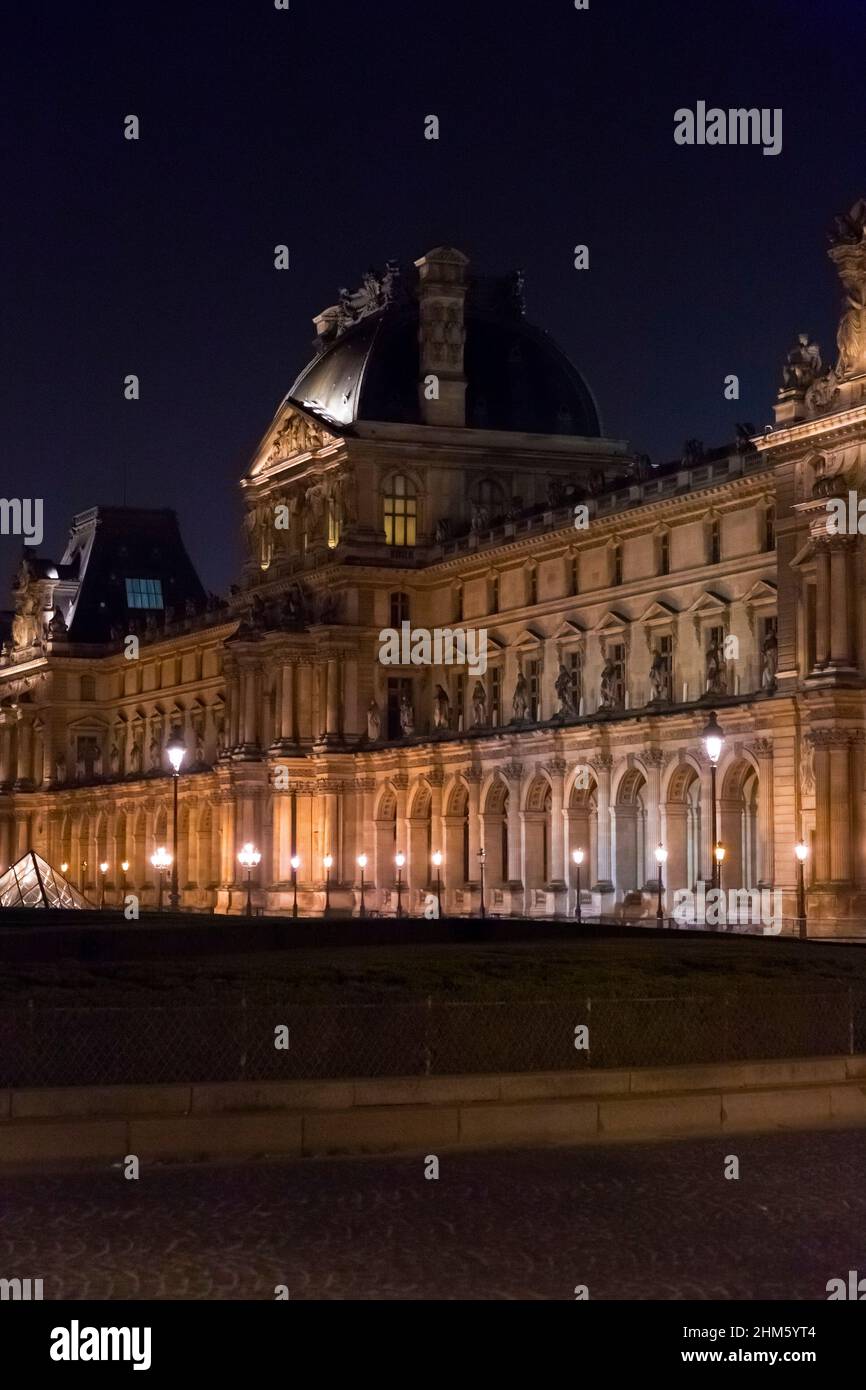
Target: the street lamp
pixel 437 864
pixel 714 742
pixel 295 862
pixel 482 854
pixel 577 856
pixel 250 857
pixel 399 860
pixel 661 859
pixel 176 750
pixel 801 850
pixel 124 870
pixel 328 861
pixel 64 867
pixel 160 859
pixel 362 864
pixel 103 869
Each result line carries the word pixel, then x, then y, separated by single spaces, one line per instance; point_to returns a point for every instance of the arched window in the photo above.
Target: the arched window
pixel 400 511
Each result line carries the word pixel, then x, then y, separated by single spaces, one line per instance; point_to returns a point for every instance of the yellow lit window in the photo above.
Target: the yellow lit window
pixel 401 511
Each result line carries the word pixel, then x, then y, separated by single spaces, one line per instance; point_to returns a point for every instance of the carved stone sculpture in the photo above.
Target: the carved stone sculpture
pixel 564 690
pixel 658 677
pixel 848 252
pixel 407 715
pixel 769 662
pixel 520 702
pixel 60 770
pixel 803 365
pixel 155 754
pixel 441 709
pixel 135 756
pixel 717 680
pixel 114 760
pixel 607 685
pixel 374 722
pixel 479 706
pixel 57 626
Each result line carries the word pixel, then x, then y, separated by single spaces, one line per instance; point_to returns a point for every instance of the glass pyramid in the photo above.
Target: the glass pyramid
pixel 31 882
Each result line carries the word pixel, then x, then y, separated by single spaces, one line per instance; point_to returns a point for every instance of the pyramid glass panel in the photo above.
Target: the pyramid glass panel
pixel 32 882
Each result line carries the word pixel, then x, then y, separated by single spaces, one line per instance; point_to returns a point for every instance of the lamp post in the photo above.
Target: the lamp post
pixel 719 856
pixel 577 856
pixel 437 864
pixel 176 750
pixel 295 862
pixel 661 859
pixel 801 850
pixel 103 869
pixel 714 742
pixel 362 864
pixel 160 859
pixel 64 868
pixel 399 860
pixel 124 870
pixel 328 861
pixel 482 854
pixel 250 857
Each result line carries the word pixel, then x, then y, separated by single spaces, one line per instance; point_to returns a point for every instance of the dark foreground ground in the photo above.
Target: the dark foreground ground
pixel 638 1222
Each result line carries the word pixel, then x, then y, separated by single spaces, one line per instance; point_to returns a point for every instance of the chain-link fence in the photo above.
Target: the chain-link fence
pixel 235 1040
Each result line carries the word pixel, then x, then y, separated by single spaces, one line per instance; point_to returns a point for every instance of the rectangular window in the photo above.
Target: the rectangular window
pixel 495 695
pixel 144 593
pixel 664 553
pixel 533 680
pixel 399 610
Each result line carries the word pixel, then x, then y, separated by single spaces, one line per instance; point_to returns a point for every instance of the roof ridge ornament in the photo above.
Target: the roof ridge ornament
pixel 376 292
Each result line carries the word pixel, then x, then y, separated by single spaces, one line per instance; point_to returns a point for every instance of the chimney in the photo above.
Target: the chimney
pixel 441 336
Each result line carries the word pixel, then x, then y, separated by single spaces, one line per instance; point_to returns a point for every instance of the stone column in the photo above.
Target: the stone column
pixel 556 769
pixel 287 703
pixel 250 692
pixel 23 774
pixel 437 831
pixel 840 809
pixel 332 718
pixel 840 625
pixel 473 777
pixel 763 749
pixel 822 604
pixel 5 749
pixel 401 786
pixel 654 760
pixel 513 773
pixel 603 767
pixel 820 743
pixel 5 843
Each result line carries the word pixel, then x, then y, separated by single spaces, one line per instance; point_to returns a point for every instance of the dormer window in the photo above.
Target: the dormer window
pixel 144 593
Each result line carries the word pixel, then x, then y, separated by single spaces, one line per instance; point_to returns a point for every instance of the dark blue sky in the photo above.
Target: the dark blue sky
pixel 306 127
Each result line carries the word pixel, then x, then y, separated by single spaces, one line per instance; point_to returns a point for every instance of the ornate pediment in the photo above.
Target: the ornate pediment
pixel 293 435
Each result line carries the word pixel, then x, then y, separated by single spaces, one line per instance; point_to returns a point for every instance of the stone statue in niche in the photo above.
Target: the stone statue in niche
pixel 135 756
pixel 717 680
pixel 114 760
pixel 407 715
pixel 155 754
pixel 97 762
pixel 374 722
pixel 804 363
pixel 564 691
pixel 480 518
pixel 658 678
pixel 479 705
pixel 57 626
pixel 520 702
pixel 607 685
pixel 60 770
pixel 441 709
pixel 769 662
pixel 80 770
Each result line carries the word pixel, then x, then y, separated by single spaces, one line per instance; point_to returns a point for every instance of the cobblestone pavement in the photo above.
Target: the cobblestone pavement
pixel 650 1221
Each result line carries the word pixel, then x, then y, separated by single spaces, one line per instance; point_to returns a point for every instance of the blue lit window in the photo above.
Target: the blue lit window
pixel 144 593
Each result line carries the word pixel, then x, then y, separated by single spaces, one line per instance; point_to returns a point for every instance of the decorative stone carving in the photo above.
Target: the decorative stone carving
pixel 512 771
pixel 564 691
pixel 60 770
pixel 807 767
pixel 374 722
pixel 769 662
pixel 296 435
pixel 716 674
pixel 57 627
pixel 848 252
pixel 114 760
pixel 135 756
pixel 803 365
pixel 155 754
pixel 658 678
pixel 607 685
pixel 407 715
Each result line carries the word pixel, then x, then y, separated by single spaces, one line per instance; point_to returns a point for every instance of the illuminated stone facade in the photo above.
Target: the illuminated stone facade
pixel 441 463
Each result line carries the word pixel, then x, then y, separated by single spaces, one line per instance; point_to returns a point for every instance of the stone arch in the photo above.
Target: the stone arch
pixel 537 831
pixel 631 873
pixel 683 831
pixel 494 814
pixel 739 792
pixel 581 802
pixel 458 870
pixel 419 845
pixel 385 818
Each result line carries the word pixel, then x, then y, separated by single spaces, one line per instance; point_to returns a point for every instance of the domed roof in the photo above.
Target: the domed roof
pixel 516 376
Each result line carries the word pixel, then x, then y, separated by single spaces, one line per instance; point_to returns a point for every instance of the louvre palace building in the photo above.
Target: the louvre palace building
pixel 472 622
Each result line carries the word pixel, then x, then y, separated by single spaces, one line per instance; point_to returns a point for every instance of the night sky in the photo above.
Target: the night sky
pixel 305 127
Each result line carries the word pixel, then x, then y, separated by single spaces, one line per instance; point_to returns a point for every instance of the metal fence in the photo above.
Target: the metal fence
pixel 235 1039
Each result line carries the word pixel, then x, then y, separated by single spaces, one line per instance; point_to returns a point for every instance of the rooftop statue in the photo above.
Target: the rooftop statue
pixel 803 365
